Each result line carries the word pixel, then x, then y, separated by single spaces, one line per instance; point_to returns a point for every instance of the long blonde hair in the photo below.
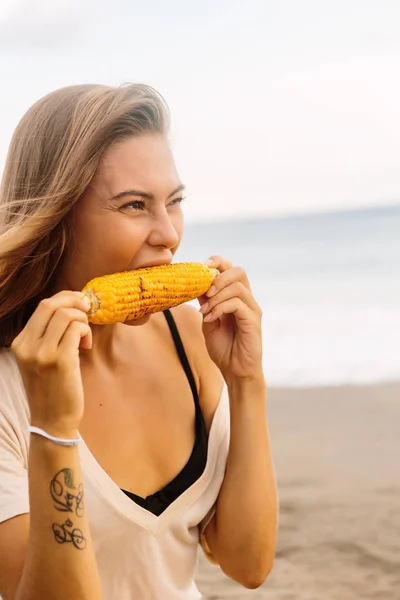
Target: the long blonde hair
pixel 52 158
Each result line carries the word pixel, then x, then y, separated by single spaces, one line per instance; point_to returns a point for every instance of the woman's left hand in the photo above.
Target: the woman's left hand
pixel 232 323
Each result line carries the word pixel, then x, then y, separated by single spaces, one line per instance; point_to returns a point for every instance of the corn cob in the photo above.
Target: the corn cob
pixel 133 294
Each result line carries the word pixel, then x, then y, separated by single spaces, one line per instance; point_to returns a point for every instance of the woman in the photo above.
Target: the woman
pixel 145 437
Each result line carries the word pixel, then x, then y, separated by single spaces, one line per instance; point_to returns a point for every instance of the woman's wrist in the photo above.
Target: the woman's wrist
pixel 56 430
pixel 254 384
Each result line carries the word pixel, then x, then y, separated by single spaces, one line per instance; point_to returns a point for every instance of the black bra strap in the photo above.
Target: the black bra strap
pixel 182 354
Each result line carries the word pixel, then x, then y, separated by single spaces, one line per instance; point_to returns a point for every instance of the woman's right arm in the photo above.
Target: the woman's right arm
pixel 49 554
pixel 59 560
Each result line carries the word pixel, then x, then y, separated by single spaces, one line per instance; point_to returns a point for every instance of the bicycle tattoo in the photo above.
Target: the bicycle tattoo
pixel 62 535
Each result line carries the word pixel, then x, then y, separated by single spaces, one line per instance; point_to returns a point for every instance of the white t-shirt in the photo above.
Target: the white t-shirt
pixel 140 556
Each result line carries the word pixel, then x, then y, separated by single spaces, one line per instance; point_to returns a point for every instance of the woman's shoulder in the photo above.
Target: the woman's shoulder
pixel 8 365
pixel 12 391
pixel 188 319
pixel 189 323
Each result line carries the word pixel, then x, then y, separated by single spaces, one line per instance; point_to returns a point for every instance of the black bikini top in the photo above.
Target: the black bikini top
pixel 158 502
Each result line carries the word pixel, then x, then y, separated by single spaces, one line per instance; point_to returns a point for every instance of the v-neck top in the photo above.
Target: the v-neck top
pixel 193 469
pixel 139 555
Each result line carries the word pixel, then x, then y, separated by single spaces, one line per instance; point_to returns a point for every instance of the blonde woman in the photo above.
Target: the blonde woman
pixel 121 446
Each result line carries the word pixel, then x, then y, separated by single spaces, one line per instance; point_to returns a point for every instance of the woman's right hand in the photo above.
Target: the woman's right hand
pixel 47 353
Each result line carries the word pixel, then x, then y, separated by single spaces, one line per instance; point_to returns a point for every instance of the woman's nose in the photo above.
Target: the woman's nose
pixel 163 232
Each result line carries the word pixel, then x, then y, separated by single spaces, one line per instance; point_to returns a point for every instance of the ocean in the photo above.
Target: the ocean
pixel 329 287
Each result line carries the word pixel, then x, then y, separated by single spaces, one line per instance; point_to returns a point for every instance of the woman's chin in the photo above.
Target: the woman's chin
pixel 136 322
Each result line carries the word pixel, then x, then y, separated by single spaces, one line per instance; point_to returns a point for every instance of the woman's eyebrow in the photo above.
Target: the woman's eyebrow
pixel 147 195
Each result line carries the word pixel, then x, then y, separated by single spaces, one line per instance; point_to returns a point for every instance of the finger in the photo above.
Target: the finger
pixel 74 335
pixel 233 306
pixel 58 325
pixel 202 299
pixel 217 262
pixel 228 277
pixel 40 319
pixel 87 341
pixel 234 290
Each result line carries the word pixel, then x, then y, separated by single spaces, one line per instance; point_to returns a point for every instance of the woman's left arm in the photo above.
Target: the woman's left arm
pixel 242 533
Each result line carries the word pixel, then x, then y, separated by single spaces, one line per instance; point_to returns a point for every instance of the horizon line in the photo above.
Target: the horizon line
pixel 231 218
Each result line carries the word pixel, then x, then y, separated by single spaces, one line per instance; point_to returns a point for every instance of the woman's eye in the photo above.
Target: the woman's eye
pixel 177 201
pixel 140 205
pixel 135 204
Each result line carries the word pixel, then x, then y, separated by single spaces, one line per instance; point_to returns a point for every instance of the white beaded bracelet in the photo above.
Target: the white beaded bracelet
pixel 56 440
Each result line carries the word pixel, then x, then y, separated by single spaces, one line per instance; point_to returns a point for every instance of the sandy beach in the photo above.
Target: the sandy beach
pixel 337 458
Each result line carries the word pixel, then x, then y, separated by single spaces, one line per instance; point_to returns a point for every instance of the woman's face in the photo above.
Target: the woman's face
pixel 130 216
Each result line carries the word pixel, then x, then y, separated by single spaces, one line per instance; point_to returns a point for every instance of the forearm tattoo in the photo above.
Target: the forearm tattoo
pixel 67 498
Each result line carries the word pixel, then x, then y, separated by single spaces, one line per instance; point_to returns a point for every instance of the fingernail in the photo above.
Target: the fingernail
pixel 211 291
pixel 209 261
pixel 204 308
pixel 86 302
pixel 208 317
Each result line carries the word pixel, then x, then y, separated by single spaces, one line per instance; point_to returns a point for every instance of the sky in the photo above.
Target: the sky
pixel 278 106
